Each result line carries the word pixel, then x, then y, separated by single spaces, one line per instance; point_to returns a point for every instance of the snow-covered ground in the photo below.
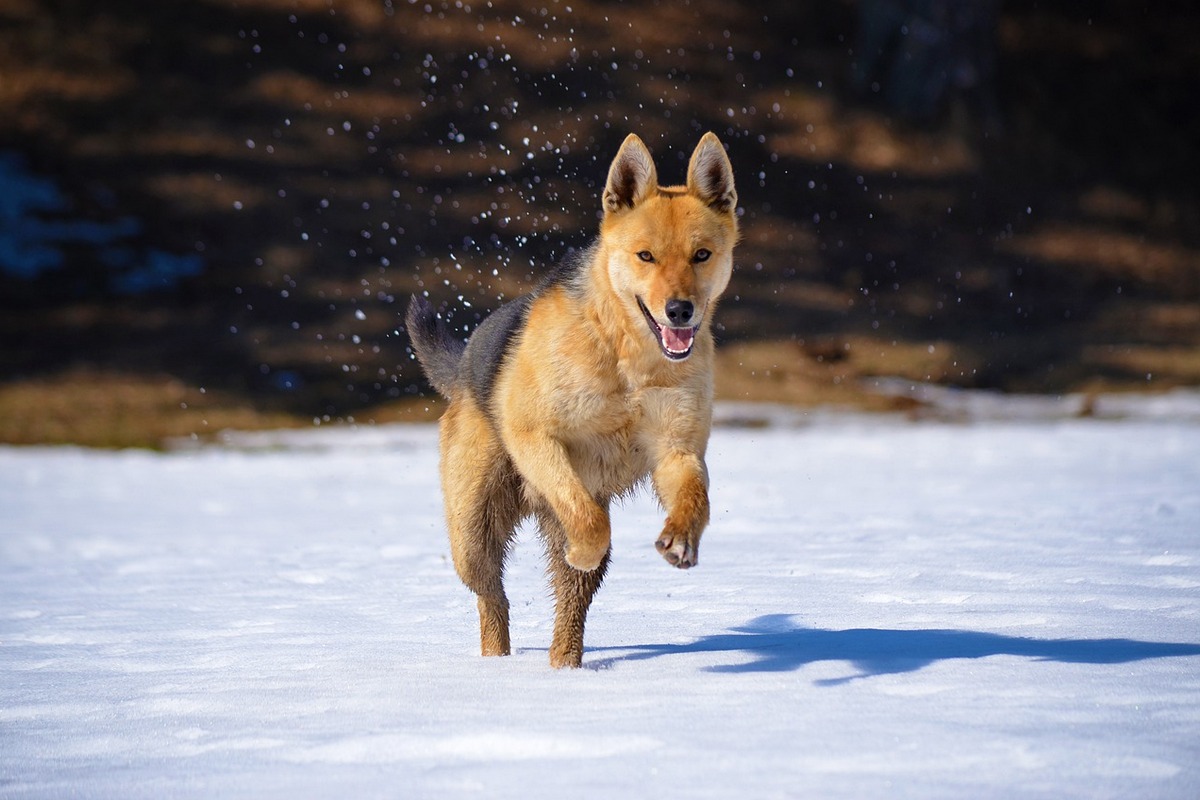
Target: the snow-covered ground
pixel 1001 609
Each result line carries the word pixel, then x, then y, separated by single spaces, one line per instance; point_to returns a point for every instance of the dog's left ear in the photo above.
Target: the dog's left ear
pixel 710 175
pixel 631 177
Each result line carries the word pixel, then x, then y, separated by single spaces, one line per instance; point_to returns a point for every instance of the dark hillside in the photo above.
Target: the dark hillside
pixel 241 195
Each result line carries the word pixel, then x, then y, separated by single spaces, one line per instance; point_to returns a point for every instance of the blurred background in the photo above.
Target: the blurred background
pixel 212 212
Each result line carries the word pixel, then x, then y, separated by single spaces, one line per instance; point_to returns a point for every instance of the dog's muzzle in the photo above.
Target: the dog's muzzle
pixel 676 342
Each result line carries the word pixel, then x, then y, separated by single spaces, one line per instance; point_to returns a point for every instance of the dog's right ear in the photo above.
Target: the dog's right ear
pixel 631 177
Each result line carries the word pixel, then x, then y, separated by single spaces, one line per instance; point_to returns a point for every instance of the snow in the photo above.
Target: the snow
pixel 882 608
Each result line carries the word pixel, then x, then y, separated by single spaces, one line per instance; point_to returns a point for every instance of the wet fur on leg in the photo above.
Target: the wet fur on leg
pixel 573 592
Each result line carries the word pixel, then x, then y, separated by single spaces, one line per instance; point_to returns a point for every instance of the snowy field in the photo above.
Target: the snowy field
pixel 997 609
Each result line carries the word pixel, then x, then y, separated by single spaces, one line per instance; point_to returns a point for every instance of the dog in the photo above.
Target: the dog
pixel 569 397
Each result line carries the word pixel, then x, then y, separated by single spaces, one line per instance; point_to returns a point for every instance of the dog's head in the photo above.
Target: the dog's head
pixel 670 248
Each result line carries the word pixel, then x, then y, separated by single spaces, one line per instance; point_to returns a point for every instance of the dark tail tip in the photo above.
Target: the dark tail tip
pixel 435 345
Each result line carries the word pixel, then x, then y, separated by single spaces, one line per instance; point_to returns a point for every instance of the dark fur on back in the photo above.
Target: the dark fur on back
pixel 489 344
pixel 451 364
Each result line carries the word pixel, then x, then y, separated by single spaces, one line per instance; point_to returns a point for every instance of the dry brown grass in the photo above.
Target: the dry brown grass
pixel 103 409
pixel 94 408
pixel 831 371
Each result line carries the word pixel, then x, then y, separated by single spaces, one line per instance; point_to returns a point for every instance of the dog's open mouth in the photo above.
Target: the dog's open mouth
pixel 676 343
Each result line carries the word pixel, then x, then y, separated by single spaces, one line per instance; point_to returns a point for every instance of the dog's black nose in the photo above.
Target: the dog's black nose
pixel 679 312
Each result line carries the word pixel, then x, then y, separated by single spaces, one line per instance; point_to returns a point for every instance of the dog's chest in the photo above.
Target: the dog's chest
pixel 603 443
pixel 619 436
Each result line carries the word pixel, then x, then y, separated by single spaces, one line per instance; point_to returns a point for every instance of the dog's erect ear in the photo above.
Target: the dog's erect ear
pixel 710 175
pixel 631 177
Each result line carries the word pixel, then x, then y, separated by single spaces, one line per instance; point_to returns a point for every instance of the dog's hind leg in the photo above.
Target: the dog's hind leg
pixel 573 592
pixel 483 506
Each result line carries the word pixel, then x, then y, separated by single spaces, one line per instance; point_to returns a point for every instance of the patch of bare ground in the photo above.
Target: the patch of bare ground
pixel 313 162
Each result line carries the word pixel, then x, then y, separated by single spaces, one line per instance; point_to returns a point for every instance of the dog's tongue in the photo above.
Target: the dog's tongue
pixel 678 340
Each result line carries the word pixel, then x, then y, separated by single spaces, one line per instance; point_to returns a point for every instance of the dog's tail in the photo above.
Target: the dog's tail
pixel 437 348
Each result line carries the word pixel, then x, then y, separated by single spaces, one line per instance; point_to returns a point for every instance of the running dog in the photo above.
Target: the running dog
pixel 569 397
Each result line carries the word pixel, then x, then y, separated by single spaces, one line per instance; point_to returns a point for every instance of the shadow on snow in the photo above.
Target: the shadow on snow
pixel 778 645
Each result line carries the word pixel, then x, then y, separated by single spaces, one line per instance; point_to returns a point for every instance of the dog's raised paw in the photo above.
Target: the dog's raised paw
pixel 584 558
pixel 677 550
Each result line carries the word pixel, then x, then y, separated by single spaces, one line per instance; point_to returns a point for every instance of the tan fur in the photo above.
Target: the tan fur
pixel 587 405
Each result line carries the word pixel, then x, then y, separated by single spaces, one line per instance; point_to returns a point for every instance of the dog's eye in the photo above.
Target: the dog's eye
pixel 701 255
pixel 646 255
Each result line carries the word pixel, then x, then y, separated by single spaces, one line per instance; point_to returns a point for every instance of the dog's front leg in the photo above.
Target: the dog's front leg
pixel 681 480
pixel 543 461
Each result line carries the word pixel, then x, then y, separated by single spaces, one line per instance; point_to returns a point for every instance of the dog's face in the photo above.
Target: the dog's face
pixel 670 249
